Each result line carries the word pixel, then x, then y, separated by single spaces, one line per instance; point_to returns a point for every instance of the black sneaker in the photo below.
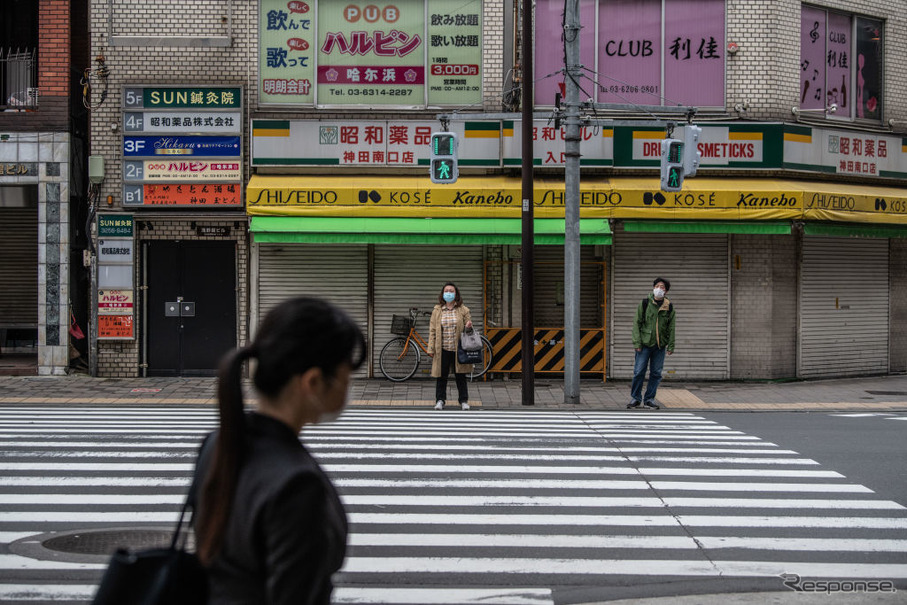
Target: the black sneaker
pixel 633 404
pixel 651 405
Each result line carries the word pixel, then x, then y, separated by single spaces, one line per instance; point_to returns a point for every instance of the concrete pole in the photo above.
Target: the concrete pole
pixel 571 205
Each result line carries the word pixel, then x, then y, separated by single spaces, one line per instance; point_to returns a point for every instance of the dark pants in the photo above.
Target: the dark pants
pixel 448 360
pixel 652 359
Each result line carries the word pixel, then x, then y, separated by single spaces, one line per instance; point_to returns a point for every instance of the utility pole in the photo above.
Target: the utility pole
pixel 571 204
pixel 527 259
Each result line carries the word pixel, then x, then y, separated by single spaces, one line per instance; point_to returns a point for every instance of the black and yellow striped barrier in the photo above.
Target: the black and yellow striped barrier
pixel 507 344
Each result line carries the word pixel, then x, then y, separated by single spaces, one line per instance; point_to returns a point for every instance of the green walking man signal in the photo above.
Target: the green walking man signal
pixel 443 164
pixel 671 165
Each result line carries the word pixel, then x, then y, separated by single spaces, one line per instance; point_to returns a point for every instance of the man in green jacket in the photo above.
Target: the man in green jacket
pixel 653 336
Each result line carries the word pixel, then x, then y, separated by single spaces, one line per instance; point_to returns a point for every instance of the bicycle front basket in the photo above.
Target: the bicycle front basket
pixel 401 324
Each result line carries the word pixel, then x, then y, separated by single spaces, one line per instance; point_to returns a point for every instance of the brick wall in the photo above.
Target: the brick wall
pixel 763 306
pixel 766 71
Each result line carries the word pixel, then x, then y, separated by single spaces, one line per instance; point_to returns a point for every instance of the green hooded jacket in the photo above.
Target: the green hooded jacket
pixel 654 325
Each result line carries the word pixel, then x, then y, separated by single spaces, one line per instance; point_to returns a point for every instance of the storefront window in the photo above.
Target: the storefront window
pixel 840 64
pixel 643 52
pixel 370 53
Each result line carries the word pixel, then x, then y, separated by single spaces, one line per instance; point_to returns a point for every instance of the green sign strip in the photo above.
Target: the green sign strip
pixel 115 225
pixel 195 97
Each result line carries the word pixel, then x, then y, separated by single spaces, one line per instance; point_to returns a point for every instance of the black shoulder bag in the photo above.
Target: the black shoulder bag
pixel 159 576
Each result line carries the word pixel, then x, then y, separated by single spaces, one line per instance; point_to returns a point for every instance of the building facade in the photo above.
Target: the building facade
pixel 43 136
pixel 275 148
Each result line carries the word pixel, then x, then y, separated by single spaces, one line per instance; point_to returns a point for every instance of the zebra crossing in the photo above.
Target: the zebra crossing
pixel 463 507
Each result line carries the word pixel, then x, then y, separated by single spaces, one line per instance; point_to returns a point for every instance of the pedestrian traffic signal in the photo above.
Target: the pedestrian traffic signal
pixel 691 155
pixel 443 167
pixel 671 165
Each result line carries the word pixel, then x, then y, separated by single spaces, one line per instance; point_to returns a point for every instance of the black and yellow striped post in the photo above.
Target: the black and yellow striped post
pixel 507 345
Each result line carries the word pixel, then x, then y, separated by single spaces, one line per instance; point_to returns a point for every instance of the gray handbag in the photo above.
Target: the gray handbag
pixel 470 340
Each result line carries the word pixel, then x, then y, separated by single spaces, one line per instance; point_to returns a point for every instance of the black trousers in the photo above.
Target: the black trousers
pixel 448 360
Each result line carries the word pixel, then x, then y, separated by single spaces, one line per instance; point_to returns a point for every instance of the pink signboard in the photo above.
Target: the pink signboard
pixel 812 58
pixel 549 48
pixel 837 64
pixel 629 52
pixel 694 44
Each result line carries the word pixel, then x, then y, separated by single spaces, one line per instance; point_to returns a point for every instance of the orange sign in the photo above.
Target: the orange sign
pixel 115 327
pixel 208 194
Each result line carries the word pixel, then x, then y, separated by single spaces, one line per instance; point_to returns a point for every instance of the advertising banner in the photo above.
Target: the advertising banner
pixel 182 170
pixel 209 195
pixel 115 225
pixel 115 327
pixel 115 302
pixel 371 53
pixel 195 146
pixel 454 52
pixel 181 97
pixel 287 51
pixel 368 142
pixel 182 122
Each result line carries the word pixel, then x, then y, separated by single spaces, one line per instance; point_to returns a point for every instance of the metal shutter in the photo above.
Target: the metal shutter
pixel 843 307
pixel 549 280
pixel 338 274
pixel 412 276
pixel 19 266
pixel 697 267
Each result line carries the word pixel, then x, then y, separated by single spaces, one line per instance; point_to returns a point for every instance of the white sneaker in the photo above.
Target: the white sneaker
pixel 464 405
pixel 439 405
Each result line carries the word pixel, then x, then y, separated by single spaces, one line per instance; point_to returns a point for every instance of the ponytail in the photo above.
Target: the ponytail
pixel 220 484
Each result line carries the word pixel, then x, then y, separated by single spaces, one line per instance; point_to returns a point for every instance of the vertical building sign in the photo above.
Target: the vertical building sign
pixel 812 58
pixel 837 66
pixel 116 246
pixel 454 52
pixel 694 46
pixel 868 85
pixel 287 49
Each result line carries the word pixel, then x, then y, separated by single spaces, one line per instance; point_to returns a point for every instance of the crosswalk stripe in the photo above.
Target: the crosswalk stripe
pixel 523 499
pixel 423 500
pixel 526 483
pixel 592 567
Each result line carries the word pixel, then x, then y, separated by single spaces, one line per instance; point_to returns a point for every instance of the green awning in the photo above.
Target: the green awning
pixel 849 230
pixel 745 227
pixel 384 230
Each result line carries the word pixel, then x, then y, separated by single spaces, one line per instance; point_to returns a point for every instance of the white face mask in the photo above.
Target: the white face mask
pixel 658 292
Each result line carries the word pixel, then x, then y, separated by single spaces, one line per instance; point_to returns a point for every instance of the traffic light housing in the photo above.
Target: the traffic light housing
pixel 443 164
pixel 672 168
pixel 691 155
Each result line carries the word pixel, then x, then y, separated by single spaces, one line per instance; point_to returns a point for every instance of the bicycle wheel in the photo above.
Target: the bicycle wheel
pixel 479 369
pixel 399 359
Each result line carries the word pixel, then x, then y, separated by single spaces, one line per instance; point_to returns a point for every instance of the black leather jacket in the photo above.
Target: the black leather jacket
pixel 287 531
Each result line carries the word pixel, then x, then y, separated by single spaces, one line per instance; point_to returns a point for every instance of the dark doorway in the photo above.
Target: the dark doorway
pixel 191 306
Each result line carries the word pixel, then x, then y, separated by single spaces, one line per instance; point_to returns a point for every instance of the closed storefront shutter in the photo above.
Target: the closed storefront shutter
pixel 843 307
pixel 697 267
pixel 18 266
pixel 549 288
pixel 336 273
pixel 412 276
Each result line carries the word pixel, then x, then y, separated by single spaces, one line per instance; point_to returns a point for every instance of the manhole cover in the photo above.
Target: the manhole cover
pixel 106 542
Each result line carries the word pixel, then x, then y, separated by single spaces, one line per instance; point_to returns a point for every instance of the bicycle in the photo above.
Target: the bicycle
pixel 400 357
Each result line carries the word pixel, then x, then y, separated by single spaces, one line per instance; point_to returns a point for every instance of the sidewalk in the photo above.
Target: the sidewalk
pixel 873 394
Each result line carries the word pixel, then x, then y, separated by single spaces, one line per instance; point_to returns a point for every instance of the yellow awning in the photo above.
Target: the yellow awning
pixel 729 199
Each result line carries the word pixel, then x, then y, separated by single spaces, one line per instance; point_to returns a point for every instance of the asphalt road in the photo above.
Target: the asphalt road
pixel 506 507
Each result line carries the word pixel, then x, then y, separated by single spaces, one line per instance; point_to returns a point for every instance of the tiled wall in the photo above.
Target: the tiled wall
pixel 47 153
